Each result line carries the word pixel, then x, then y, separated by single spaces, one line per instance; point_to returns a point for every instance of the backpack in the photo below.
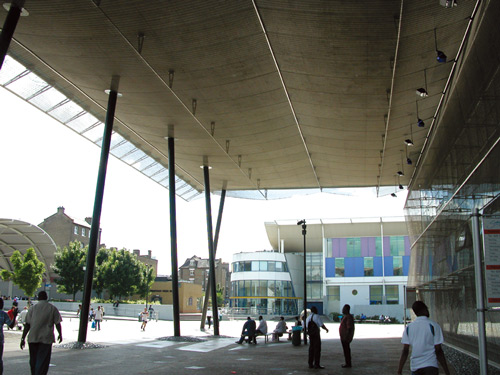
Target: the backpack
pixel 312 328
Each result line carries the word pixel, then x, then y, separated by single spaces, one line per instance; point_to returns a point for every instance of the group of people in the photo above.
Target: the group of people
pixel 39 321
pixel 423 335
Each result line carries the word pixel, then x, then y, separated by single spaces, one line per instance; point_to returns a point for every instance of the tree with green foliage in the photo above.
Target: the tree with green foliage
pixel 99 284
pixel 120 272
pixel 69 264
pixel 148 279
pixel 28 271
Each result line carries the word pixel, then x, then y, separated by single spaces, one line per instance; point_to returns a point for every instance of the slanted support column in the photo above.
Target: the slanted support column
pixel 216 240
pixel 96 216
pixel 211 251
pixel 9 26
pixel 173 235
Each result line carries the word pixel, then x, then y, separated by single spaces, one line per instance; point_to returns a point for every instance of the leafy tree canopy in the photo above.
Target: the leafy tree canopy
pixel 69 264
pixel 28 271
pixel 120 272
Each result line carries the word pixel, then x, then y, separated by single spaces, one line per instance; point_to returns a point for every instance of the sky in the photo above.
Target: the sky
pixel 45 165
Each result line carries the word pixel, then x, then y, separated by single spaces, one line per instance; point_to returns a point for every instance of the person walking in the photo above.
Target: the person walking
pixel 144 318
pixel 209 318
pixel 4 319
pixel 346 332
pixel 40 321
pixel 313 324
pixel 425 338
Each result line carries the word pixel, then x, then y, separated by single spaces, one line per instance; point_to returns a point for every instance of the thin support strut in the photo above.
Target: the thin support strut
pixel 9 26
pixel 216 241
pixel 96 216
pixel 211 251
pixel 173 235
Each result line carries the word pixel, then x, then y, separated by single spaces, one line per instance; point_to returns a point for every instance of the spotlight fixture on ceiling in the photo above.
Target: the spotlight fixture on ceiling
pixel 401 187
pixel 441 57
pixel 396 183
pixel 401 172
pixel 408 160
pixel 448 3
pixel 393 195
pixel 409 141
pixel 420 122
pixel 422 91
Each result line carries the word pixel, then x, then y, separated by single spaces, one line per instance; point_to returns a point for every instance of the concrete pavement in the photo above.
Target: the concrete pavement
pixel 128 350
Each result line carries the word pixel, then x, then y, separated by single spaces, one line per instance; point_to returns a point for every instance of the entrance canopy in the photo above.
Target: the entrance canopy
pixel 271 94
pixel 20 235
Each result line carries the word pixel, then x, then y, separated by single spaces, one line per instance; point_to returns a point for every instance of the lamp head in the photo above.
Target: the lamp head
pixel 301 222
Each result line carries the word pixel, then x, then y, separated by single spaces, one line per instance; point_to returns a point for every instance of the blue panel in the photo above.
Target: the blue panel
pixel 349 267
pixel 359 267
pixel 377 266
pixel 406 265
pixel 329 267
pixel 389 266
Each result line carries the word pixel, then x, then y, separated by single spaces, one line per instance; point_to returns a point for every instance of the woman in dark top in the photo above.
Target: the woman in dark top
pixel 346 331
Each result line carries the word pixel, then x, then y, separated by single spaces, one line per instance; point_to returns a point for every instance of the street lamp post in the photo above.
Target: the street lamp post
pixel 304 232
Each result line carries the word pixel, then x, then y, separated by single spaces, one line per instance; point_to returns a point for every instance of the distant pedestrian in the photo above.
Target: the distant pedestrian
pixel 425 338
pixel 313 324
pixel 144 319
pixel 4 319
pixel 346 332
pixel 209 318
pixel 79 310
pixel 40 322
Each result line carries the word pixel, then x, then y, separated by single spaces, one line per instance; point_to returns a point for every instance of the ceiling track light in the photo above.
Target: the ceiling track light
pixel 401 172
pixel 408 160
pixel 420 122
pixel 394 195
pixel 395 184
pixel 441 57
pixel 422 92
pixel 409 141
pixel 448 3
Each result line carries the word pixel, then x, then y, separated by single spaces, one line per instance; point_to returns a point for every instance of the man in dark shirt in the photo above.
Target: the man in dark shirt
pixel 346 331
pixel 248 330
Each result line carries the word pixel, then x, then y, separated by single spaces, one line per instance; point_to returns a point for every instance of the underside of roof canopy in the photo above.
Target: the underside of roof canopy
pixel 271 94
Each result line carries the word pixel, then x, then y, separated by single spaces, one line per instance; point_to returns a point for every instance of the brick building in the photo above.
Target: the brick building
pixel 196 270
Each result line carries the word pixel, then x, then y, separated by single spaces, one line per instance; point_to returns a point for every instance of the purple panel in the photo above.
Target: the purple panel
pixel 335 247
pixel 387 247
pixel 371 247
pixel 407 245
pixel 343 247
pixel 365 250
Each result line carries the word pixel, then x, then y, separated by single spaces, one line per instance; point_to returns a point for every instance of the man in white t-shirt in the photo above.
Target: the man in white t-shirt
pixel 425 338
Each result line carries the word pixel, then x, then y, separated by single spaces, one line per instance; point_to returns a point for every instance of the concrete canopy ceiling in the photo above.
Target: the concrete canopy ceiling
pixel 272 94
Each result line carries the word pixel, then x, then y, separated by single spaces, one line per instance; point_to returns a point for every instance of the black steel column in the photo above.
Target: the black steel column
pixel 173 235
pixel 216 240
pixel 8 28
pixel 96 216
pixel 211 252
pixel 304 232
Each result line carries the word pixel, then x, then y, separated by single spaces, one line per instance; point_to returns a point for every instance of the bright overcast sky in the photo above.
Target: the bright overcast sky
pixel 45 165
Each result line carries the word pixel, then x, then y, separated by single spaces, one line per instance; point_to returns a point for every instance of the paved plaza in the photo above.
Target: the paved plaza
pixel 125 349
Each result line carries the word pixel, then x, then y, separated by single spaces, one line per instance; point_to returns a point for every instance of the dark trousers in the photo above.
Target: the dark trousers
pixel 426 371
pixel 40 358
pixel 1 358
pixel 347 352
pixel 314 350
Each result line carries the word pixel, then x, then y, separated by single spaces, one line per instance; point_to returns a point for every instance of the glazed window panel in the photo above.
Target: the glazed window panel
pixel 333 293
pixel 397 263
pixel 392 294
pixel 378 246
pixel 271 266
pixel 271 288
pixel 263 266
pixel 339 267
pixel 279 266
pixel 376 294
pixel 397 244
pixel 354 247
pixel 255 265
pixel 368 266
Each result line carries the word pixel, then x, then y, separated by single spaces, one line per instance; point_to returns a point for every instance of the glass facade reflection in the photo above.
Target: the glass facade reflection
pixel 458 174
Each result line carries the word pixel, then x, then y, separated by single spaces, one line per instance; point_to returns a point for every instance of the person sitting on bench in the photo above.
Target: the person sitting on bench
pixel 248 330
pixel 261 329
pixel 280 329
